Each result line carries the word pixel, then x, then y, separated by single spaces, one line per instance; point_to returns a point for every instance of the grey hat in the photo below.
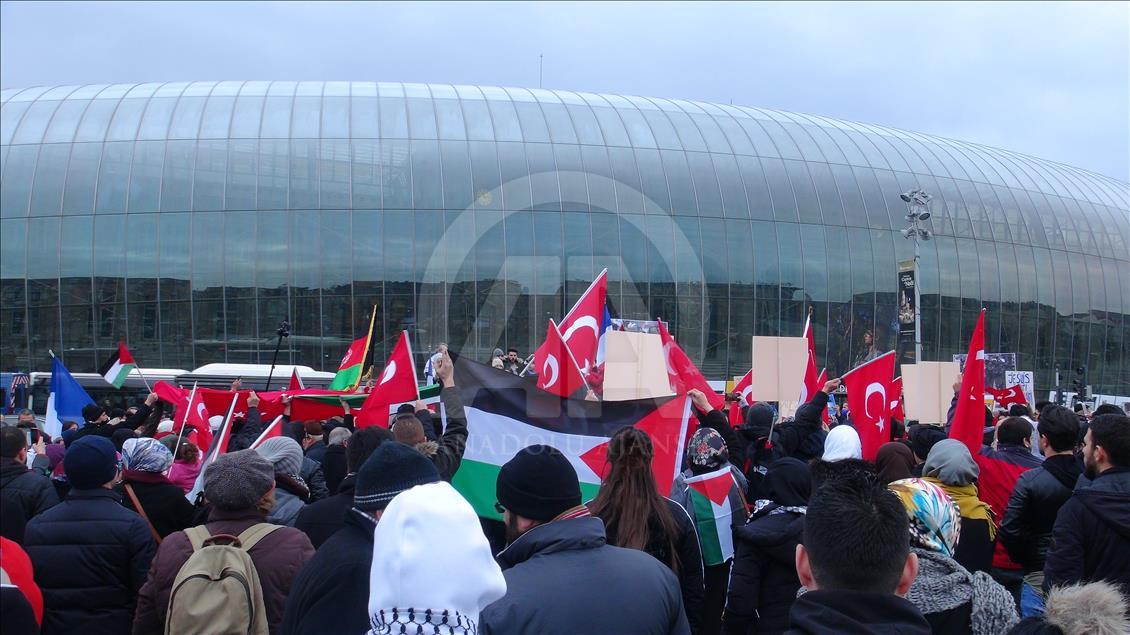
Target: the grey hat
pixel 284 453
pixel 238 480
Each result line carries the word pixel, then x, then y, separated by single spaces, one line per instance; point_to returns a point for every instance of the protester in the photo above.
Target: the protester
pixel 1091 537
pixel 55 453
pixel 636 516
pixel 562 578
pixel 90 553
pixel 512 363
pixel 757 454
pixel 855 562
pixel 804 438
pixel 1026 529
pixel 923 438
pixel 186 466
pixel 496 359
pixel 952 599
pixel 1097 608
pixel 707 453
pixel 322 519
pixel 313 445
pixel 447 452
pixel 291 492
pixel 162 504
pixel 24 492
pixel 98 422
pixel 21 601
pixel 239 487
pixel 408 593
pixel 333 588
pixel 764 583
pixel 951 467
pixel 429 366
pixel 894 462
pixel 334 462
pixel 842 443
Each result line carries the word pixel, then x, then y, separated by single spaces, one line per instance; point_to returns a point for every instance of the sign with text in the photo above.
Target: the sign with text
pixel 1026 380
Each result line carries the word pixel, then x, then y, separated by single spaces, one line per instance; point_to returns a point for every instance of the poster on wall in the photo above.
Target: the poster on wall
pixel 996 364
pixel 907 284
pixel 1023 378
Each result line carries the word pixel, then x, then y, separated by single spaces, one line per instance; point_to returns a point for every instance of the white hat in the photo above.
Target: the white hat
pixel 842 443
pixel 215 421
pixel 431 562
pixel 166 425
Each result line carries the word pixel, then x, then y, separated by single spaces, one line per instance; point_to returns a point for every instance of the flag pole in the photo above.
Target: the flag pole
pixel 368 344
pixel 263 434
pixel 142 376
pixel 180 434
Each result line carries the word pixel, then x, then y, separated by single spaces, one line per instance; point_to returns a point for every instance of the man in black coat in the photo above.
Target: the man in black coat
pixel 855 562
pixel 331 593
pixel 1091 537
pixel 804 438
pixel 25 492
pixel 1026 530
pixel 321 519
pixel 90 554
pixel 98 422
pixel 561 576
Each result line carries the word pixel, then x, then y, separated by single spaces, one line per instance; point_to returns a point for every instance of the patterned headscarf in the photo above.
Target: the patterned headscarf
pixel 935 523
pixel 146 455
pixel 707 451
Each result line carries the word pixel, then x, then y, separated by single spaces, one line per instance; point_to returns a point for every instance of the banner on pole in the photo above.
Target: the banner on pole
pixel 907 284
pixel 778 371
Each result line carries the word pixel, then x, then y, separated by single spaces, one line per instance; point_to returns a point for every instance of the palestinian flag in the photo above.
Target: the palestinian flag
pixel 329 405
pixel 349 372
pixel 117 368
pixel 506 413
pixel 710 500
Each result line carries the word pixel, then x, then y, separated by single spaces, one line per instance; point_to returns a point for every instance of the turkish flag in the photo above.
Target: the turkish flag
pixel 557 370
pixel 869 391
pixel 897 411
pixel 969 416
pixel 744 388
pixel 813 381
pixel 1008 396
pixel 581 327
pixel 682 372
pixel 274 429
pixel 397 384
pixel 192 413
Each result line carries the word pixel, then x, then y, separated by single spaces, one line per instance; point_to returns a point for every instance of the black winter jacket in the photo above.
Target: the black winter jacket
pixel 449 454
pixel 315 479
pixel 91 556
pixel 25 494
pixel 105 430
pixel 331 593
pixel 763 581
pixel 322 519
pixel 803 438
pixel 1026 531
pixel 1091 537
pixel 855 613
pixel 334 467
pixel 164 503
pixel 609 590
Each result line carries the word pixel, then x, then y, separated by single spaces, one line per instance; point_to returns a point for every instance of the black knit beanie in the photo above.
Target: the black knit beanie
pixel 539 483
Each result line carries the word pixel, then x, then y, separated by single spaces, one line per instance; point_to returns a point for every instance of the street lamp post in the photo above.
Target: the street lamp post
pixel 918 210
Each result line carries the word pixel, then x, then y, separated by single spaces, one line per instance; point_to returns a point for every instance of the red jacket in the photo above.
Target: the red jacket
pixel 1000 469
pixel 17 566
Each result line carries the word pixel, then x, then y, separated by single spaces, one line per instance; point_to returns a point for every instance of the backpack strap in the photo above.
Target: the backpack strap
pixel 141 510
pixel 255 533
pixel 197 535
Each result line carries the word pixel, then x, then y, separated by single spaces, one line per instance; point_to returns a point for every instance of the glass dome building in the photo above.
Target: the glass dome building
pixel 190 218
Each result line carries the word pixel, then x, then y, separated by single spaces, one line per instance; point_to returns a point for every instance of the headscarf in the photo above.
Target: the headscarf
pixel 55 452
pixel 895 461
pixel 789 482
pixel 284 453
pixel 842 443
pixel 707 451
pixel 951 467
pixel 146 455
pixel 935 523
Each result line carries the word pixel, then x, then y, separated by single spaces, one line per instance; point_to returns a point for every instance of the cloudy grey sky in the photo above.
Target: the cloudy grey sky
pixel 1046 79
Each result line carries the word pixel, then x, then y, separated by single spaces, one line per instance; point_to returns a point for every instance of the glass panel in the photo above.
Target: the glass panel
pixel 476 116
pixel 145 176
pixel 65 121
pixel 364 117
pixel 366 173
pixel 155 121
pixel 175 232
pixel 808 205
pixel 421 118
pixel 109 264
pixel 449 117
pixel 543 176
pixel 82 177
pixel 611 127
pixel 186 118
pixel 570 173
pixel 126 120
pixel 176 185
pixel 274 173
pixel 95 120
pixel 427 184
pixel 10 115
pixel 627 180
pixel 276 118
pixel 335 117
pixel 243 166
pixel 247 116
pixel 47 196
pixel 210 175
pixel 303 174
pixel 784 202
pixel 486 182
pixel 457 187
pixel 334 174
pixel 394 117
pixel 217 117
pixel 76 252
pixel 396 174
pixel 113 177
pixel 306 117
pixel 656 200
pixel 679 183
pixel 272 272
pixel 705 183
pixel 505 119
pixel 142 258
pixel 34 122
pixel 831 207
pixel 756 189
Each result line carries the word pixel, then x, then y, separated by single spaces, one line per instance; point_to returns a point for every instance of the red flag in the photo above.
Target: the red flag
pixel 669 426
pixel 811 377
pixel 191 411
pixel 273 430
pixel 744 388
pixel 219 446
pixel 580 329
pixel 682 372
pixel 295 381
pixel 397 384
pixel 1011 395
pixel 897 411
pixel 969 417
pixel 557 370
pixel 871 415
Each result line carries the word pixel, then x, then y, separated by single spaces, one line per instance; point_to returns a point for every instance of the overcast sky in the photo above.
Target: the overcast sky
pixel 1047 79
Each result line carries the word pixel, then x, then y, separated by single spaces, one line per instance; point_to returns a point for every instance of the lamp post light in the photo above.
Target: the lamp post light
pixel 917 210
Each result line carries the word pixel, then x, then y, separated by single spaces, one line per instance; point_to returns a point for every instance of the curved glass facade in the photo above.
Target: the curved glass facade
pixel 190 218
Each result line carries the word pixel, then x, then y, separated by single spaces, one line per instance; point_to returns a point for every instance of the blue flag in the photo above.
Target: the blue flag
pixel 66 401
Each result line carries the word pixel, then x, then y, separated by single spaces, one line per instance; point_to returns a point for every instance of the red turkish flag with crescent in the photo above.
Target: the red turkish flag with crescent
pixel 744 388
pixel 580 329
pixel 870 389
pixel 682 372
pixel 969 416
pixel 396 384
pixel 1008 396
pixel 897 411
pixel 557 370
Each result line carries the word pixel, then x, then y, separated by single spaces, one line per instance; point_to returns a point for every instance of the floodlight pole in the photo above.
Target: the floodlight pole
pixel 917 202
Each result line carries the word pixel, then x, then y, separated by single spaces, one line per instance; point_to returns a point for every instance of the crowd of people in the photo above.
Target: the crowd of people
pixel 331 528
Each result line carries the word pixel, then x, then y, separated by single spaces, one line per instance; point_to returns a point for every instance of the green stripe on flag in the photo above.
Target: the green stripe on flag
pixel 707 526
pixel 346 378
pixel 123 374
pixel 477 481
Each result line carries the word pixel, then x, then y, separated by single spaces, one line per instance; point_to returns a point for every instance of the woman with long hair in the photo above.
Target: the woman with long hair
pixel 636 516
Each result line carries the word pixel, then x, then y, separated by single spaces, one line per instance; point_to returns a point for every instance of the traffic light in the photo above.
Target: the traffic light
pixel 1080 381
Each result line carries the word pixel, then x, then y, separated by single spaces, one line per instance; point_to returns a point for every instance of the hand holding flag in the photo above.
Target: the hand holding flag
pixel 871 415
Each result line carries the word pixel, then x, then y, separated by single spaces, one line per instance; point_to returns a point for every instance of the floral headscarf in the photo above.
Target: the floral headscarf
pixel 707 451
pixel 935 523
pixel 146 455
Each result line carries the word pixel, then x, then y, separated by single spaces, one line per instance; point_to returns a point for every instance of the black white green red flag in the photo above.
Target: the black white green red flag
pixel 710 497
pixel 506 413
pixel 117 368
